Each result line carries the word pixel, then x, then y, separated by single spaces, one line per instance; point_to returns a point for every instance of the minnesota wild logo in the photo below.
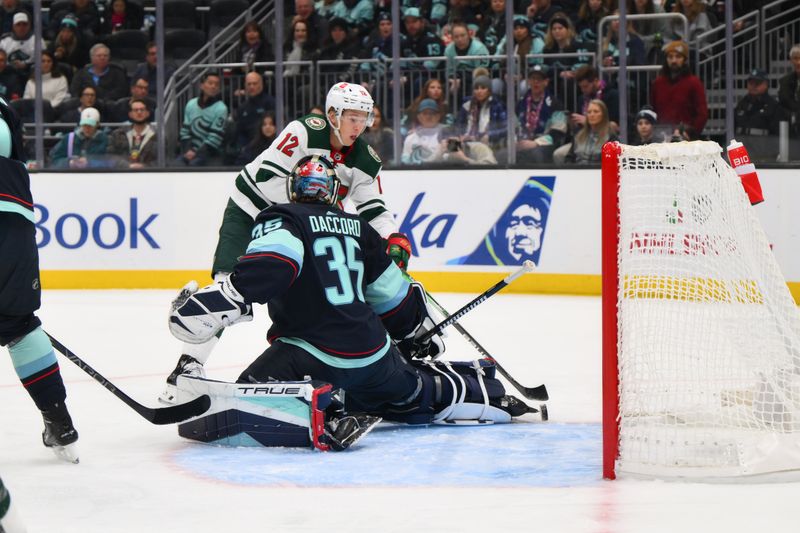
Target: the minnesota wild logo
pixel 315 123
pixel 373 154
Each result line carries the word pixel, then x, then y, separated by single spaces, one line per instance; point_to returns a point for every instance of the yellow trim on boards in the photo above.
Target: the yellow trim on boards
pixel 470 282
pixel 450 281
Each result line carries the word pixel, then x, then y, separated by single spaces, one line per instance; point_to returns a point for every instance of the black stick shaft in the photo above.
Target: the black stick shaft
pixel 164 415
pixel 488 293
pixel 532 393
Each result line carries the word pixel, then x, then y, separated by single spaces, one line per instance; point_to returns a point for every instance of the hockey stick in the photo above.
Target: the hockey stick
pixel 527 266
pixel 538 393
pixel 159 415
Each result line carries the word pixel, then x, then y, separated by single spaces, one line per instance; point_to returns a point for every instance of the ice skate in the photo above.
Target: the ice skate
pixel 59 434
pixel 342 433
pixel 186 365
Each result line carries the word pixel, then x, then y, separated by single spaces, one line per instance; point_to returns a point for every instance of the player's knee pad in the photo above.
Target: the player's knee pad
pixel 36 365
pixel 31 353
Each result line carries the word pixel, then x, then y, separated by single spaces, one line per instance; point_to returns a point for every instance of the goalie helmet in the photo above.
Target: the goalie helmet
pixel 313 179
pixel 344 96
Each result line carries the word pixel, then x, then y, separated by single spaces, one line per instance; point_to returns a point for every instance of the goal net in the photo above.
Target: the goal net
pixel 701 355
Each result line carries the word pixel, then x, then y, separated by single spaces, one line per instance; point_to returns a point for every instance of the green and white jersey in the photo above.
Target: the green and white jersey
pixel 262 182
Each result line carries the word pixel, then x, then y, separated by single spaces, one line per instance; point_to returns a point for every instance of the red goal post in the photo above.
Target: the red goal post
pixel 701 337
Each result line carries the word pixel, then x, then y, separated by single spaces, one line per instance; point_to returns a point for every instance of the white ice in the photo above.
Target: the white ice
pixel 135 477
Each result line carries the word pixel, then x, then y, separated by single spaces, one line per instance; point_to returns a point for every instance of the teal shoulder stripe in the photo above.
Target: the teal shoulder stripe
pixel 386 292
pixel 337 362
pixel 280 241
pixel 11 207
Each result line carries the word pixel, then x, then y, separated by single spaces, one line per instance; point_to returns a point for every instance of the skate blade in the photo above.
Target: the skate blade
pixel 68 453
pixel 169 396
pixel 364 432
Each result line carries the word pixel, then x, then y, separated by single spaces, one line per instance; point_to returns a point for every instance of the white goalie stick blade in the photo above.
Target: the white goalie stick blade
pixel 473 414
pixel 68 453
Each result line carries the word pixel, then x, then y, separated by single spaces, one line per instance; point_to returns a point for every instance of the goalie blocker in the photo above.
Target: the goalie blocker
pixel 308 413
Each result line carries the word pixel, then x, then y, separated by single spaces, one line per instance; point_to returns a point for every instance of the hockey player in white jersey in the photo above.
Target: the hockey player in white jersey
pixel 262 182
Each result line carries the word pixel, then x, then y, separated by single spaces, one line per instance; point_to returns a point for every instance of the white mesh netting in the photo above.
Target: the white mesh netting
pixel 709 335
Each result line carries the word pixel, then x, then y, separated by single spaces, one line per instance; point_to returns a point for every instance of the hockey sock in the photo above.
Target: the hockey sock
pixel 36 365
pixel 202 352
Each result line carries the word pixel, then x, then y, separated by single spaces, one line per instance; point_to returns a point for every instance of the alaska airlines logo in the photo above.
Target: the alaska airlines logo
pixel 518 234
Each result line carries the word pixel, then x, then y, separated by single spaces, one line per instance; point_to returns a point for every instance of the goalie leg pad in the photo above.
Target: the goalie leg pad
pixel 276 413
pixel 454 393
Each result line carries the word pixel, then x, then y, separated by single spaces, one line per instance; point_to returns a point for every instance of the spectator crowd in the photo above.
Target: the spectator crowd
pixel 453 83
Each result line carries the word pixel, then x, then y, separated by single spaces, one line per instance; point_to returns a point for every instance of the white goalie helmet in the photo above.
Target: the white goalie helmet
pixel 348 96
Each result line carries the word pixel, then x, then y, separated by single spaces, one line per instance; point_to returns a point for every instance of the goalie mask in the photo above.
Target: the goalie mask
pixel 313 180
pixel 343 96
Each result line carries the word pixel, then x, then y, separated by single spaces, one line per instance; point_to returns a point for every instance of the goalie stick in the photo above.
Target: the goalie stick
pixel 527 266
pixel 538 393
pixel 160 415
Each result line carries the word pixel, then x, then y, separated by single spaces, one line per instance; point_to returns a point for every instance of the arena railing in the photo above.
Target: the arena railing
pixel 182 86
pixel 710 57
pixel 308 86
pixel 780 30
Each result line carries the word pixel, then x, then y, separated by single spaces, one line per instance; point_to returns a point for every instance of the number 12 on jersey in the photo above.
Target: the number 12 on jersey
pixel 288 144
pixel 342 261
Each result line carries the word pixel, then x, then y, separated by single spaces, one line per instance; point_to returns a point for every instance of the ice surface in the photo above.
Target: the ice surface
pixel 526 476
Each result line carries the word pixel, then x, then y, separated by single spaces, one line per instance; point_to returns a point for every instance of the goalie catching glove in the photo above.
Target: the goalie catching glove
pixel 398 248
pixel 197 315
pixel 411 346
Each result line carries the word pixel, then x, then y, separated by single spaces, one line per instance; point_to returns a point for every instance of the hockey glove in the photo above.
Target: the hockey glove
pixel 398 248
pixel 198 315
pixel 412 347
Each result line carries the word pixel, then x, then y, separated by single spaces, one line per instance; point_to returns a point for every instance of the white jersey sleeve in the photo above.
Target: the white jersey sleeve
pixel 262 182
pixel 365 193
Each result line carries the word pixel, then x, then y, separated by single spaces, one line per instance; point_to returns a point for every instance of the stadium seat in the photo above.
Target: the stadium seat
pixel 25 108
pixel 179 14
pixel 223 12
pixel 181 44
pixel 127 48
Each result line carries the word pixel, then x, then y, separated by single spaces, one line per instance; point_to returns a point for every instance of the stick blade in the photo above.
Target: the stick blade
pixel 180 412
pixel 537 393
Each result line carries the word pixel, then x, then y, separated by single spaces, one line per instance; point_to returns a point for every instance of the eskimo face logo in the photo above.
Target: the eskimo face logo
pixel 524 232
pixel 518 233
pixel 315 123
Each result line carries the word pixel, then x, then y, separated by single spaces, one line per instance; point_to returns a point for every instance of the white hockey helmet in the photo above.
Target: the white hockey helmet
pixel 345 95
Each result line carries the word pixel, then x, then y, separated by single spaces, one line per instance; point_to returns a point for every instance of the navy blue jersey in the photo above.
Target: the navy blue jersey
pixel 330 286
pixel 15 184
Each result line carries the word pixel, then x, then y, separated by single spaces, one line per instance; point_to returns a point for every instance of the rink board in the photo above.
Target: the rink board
pixel 157 230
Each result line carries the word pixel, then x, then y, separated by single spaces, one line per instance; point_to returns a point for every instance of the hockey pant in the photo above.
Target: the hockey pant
pixel 20 329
